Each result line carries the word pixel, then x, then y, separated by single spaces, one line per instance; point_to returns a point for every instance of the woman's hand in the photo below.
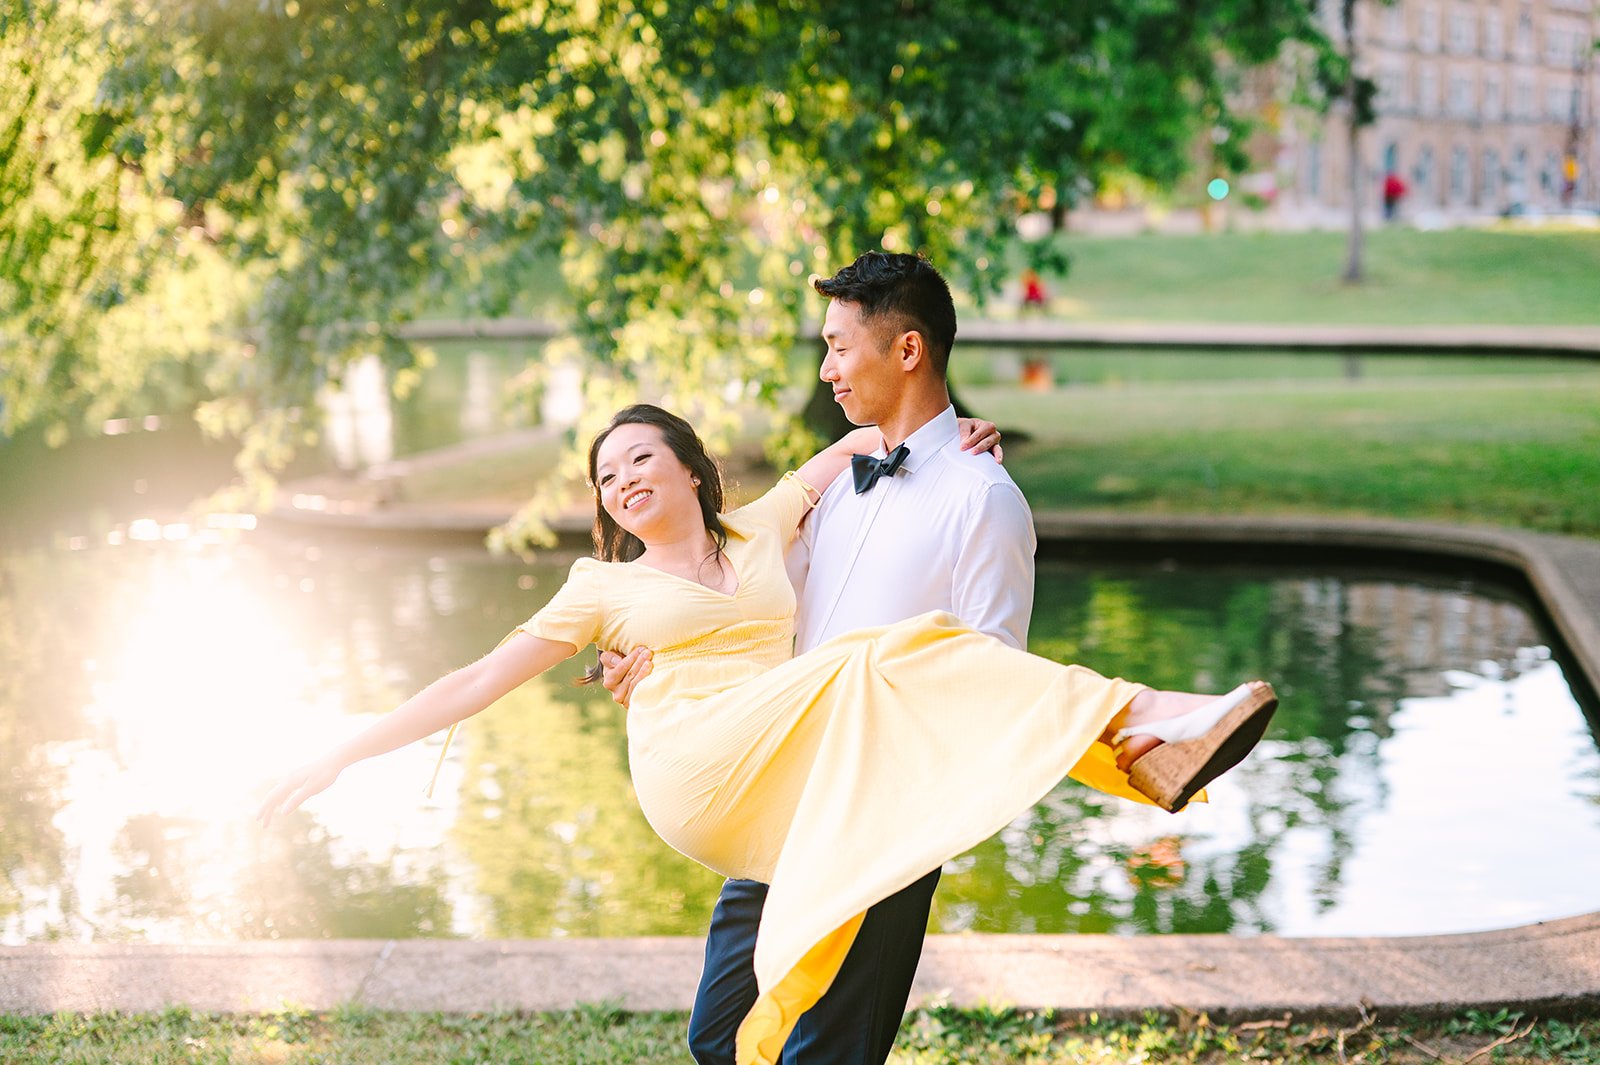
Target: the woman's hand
pixel 622 673
pixel 453 697
pixel 979 436
pixel 297 787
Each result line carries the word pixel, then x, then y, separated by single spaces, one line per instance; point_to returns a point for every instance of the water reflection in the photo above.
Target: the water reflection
pixel 1383 805
pixel 1429 771
pixel 160 463
pixel 35 656
pixel 471 392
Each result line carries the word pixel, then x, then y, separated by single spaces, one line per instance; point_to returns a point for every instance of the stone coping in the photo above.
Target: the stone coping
pixel 1550 967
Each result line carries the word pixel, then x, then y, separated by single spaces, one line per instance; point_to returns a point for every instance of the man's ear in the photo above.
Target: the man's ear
pixel 910 350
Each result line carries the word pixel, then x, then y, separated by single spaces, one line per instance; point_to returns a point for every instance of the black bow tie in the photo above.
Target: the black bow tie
pixel 867 469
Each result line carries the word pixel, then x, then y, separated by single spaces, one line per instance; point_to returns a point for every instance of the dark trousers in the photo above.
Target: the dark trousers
pixel 855 1022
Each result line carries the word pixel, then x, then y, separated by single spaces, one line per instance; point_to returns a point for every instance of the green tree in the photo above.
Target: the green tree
pixel 319 166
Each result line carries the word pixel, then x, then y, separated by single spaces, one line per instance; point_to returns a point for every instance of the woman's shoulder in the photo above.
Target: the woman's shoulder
pixel 789 494
pixel 591 572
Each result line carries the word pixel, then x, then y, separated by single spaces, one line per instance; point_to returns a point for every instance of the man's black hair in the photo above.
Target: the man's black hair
pixel 902 293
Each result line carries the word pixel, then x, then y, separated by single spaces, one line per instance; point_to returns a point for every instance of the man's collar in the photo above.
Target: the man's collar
pixel 932 435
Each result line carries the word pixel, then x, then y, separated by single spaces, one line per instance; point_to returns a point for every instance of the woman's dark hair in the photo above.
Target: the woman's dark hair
pixel 613 543
pixel 902 292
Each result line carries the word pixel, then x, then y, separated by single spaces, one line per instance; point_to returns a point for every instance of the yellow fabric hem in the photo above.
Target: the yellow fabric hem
pixel 794 475
pixel 766 1027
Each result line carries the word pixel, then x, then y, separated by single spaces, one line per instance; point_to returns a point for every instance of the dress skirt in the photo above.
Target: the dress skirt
pixel 845 774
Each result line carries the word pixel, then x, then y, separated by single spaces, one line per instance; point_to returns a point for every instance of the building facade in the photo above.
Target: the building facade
pixel 1483 106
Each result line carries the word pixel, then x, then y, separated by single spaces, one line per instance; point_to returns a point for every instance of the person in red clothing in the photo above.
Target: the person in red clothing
pixel 1033 294
pixel 1036 375
pixel 1393 190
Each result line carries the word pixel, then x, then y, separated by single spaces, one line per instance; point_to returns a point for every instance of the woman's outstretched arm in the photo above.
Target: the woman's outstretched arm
pixel 452 698
pixel 820 470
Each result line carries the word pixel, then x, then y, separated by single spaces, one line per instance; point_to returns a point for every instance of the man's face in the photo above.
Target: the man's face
pixel 861 366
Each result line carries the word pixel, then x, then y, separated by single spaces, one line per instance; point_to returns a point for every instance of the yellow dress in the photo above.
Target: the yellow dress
pixel 837 777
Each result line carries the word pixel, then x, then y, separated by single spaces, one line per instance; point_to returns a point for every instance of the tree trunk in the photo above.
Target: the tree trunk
pixel 1352 268
pixel 826 418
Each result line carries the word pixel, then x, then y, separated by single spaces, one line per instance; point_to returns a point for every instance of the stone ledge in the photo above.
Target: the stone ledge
pixel 1551 966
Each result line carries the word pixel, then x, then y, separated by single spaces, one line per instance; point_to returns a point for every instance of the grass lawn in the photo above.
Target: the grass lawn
pixel 1466 276
pixel 1496 276
pixel 603 1036
pixel 1503 450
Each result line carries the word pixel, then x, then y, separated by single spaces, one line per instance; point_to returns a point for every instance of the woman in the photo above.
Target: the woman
pixel 839 776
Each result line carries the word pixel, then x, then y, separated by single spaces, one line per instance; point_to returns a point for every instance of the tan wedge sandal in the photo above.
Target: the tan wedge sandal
pixel 1200 746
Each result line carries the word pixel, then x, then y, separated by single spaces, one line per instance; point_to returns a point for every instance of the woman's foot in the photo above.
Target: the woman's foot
pixel 1147 708
pixel 1172 744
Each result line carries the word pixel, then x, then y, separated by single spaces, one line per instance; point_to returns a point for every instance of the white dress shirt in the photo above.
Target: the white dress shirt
pixel 950 531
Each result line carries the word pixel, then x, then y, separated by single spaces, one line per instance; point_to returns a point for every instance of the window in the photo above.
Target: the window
pixel 1460 174
pixel 1427 89
pixel 1557 103
pixel 1428 28
pixel 1392 88
pixel 1493 96
pixel 1556 47
pixel 1328 14
pixel 1524 37
pixel 1422 174
pixel 1314 170
pixel 1489 181
pixel 1462 39
pixel 1522 104
pixel 1394 24
pixel 1461 102
pixel 1550 173
pixel 1494 35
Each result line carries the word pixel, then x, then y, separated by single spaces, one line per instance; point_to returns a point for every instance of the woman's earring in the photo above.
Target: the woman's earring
pixel 695 481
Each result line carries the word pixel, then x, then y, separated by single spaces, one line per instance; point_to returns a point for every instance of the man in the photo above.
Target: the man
pixel 921 525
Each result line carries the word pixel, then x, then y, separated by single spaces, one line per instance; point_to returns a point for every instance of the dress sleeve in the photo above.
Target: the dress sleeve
pixel 574 614
pixel 781 509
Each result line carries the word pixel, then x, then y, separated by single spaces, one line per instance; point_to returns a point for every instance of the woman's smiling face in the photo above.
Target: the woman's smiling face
pixel 641 482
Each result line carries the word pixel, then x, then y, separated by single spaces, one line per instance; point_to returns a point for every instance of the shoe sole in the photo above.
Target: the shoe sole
pixel 1170 774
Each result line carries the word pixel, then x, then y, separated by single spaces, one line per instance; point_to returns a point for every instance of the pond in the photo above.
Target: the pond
pixel 1430 770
